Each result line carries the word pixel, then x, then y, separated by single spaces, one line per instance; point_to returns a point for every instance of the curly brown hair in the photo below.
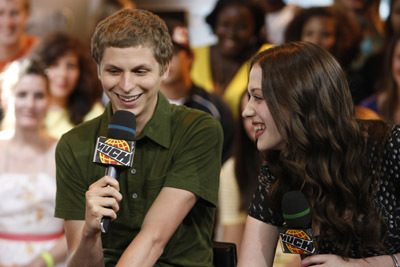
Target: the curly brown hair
pixel 325 155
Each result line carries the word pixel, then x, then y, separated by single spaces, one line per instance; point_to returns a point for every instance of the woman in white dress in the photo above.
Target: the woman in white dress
pixel 29 233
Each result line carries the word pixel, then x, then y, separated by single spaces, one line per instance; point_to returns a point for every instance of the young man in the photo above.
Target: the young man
pixel 179 88
pixel 162 209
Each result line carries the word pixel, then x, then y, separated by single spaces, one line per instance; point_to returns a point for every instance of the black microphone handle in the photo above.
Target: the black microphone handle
pixel 105 221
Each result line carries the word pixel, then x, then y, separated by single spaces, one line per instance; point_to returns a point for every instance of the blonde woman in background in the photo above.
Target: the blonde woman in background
pixel 29 233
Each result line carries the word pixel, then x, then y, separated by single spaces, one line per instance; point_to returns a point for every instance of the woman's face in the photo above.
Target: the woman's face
pixel 64 75
pixel 396 63
pixel 320 31
pixel 266 132
pixel 395 16
pixel 247 124
pixel 235 29
pixel 31 101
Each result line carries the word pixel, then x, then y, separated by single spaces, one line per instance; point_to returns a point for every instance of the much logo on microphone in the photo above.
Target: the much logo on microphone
pixel 114 152
pixel 297 241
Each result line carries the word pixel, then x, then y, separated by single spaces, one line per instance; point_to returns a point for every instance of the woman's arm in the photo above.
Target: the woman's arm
pixel 58 253
pixel 326 260
pixel 258 244
pixel 233 234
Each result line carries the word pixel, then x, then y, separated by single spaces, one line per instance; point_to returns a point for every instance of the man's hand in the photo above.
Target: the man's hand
pixel 102 199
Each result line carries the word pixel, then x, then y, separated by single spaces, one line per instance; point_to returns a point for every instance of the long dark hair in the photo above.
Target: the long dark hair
pixel 247 161
pixel 326 147
pixel 88 89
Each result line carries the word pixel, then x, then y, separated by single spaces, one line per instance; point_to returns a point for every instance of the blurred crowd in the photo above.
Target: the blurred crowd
pixel 49 85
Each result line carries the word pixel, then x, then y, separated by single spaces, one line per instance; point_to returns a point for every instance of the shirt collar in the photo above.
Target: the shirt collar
pixel 158 128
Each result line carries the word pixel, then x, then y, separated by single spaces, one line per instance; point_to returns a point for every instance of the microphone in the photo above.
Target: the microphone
pixel 297 236
pixel 116 151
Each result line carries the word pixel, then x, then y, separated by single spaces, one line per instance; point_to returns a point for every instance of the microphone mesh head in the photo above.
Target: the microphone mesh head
pixel 296 210
pixel 122 126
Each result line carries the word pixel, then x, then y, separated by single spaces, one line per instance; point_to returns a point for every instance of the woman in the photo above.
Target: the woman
pixel 366 14
pixel 375 70
pixel 312 142
pixel 239 178
pixel 386 101
pixel 74 87
pixel 335 31
pixel 223 68
pixel 29 233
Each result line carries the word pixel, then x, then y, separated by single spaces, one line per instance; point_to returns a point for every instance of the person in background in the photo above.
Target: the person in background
pixel 373 69
pixel 14 42
pixel 313 143
pixel 366 14
pixel 29 233
pixel 74 86
pixel 239 178
pixel 162 209
pixel 386 102
pixel 278 15
pixel 338 33
pixel 223 68
pixel 179 88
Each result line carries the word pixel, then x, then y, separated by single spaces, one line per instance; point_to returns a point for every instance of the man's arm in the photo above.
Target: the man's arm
pixel 84 237
pixel 83 250
pixel 163 218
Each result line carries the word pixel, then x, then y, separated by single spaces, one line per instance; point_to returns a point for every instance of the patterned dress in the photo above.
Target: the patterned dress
pixel 387 199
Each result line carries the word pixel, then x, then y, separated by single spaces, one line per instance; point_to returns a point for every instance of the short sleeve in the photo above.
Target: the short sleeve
pixel 197 161
pixel 260 206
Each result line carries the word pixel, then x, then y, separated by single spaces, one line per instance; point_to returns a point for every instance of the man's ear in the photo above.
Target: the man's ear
pixel 166 72
pixel 98 71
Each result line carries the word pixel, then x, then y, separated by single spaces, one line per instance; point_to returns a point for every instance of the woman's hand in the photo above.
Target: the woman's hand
pixel 328 260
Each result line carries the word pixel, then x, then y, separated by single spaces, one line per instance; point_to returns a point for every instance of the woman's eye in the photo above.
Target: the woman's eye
pixel 257 98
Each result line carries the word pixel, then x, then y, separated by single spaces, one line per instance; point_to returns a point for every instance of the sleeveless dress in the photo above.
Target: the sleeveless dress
pixel 27 223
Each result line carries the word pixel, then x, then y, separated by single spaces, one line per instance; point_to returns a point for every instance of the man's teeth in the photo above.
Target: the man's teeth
pixel 259 128
pixel 127 99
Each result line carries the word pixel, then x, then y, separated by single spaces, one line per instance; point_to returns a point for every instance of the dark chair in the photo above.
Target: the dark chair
pixel 224 254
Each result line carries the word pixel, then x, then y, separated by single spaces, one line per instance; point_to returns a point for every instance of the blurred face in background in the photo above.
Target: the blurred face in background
pixel 235 29
pixel 31 101
pixel 396 64
pixel 354 5
pixel 395 16
pixel 179 67
pixel 13 17
pixel 321 31
pixel 63 76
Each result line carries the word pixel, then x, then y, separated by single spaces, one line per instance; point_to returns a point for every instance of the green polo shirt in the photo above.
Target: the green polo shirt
pixel 179 147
